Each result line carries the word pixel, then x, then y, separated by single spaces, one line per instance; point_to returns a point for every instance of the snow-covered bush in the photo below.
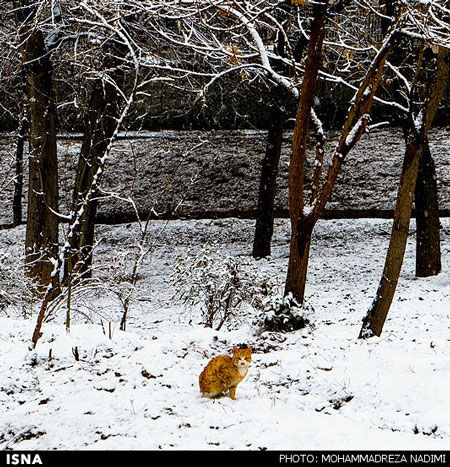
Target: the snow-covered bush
pixel 98 299
pixel 219 285
pixel 15 287
pixel 284 314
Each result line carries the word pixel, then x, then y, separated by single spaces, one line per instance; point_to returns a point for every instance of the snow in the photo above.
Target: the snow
pixel 356 130
pixel 316 388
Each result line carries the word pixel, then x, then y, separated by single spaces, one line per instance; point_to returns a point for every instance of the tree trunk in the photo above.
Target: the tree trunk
pixel 303 221
pixel 18 180
pixel 41 244
pixel 267 188
pixel 399 236
pixel 299 260
pixel 416 135
pixel 299 250
pixel 428 251
pixel 99 127
pixel 428 243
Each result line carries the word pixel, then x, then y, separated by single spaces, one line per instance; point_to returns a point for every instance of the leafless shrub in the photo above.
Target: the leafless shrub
pixel 219 286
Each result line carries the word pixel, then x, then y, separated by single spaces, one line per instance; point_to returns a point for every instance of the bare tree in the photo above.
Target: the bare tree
pixel 304 215
pixel 42 222
pixel 418 130
pixel 299 247
pixel 103 109
pixel 97 19
pixel 404 66
pixel 267 184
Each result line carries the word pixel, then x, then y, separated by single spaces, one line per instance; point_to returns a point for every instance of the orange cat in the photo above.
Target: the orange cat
pixel 224 373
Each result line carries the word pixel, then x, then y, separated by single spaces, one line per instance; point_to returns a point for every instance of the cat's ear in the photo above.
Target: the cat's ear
pixel 249 348
pixel 234 348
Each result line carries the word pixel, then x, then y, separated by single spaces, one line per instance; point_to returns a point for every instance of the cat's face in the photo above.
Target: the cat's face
pixel 242 357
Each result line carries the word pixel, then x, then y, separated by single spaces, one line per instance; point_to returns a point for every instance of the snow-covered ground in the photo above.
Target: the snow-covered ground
pixel 317 388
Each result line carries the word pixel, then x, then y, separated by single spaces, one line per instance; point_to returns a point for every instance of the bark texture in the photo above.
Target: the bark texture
pixel 428 242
